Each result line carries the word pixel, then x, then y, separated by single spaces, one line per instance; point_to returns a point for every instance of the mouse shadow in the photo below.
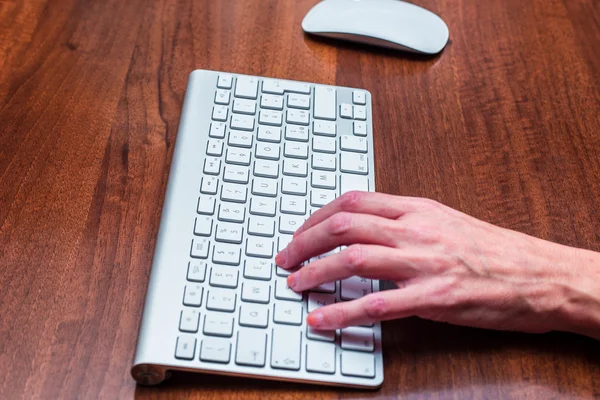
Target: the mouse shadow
pixel 372 49
pixel 421 346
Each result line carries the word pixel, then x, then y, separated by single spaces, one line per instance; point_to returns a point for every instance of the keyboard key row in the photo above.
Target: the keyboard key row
pixel 286 352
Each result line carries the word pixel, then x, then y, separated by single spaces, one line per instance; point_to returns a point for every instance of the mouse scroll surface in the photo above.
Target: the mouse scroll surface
pixel 388 23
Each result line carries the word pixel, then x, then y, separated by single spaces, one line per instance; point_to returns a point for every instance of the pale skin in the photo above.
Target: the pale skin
pixel 448 267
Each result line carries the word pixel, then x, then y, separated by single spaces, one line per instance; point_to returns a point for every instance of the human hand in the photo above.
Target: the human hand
pixel 447 265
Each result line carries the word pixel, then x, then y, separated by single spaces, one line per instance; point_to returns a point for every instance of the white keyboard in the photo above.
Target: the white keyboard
pixel 254 158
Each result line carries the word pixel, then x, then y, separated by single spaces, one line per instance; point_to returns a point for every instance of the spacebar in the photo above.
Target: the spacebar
pixel 353 182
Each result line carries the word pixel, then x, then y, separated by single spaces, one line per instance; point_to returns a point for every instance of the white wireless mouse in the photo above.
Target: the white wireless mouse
pixel 388 23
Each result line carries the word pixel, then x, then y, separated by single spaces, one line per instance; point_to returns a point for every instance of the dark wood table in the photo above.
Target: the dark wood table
pixel 503 125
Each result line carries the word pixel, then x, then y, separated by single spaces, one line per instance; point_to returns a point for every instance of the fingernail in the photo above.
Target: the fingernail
pixel 281 258
pixel 315 319
pixel 292 281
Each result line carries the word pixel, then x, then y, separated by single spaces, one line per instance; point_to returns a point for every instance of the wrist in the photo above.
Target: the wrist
pixel 580 297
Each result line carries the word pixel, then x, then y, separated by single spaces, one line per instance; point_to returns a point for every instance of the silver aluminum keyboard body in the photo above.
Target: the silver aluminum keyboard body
pixel 253 158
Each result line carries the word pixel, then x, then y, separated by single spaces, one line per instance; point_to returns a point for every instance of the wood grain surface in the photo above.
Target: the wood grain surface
pixel 503 125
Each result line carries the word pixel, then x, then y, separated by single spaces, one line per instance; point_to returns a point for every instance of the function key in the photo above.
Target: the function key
pixel 224 81
pixel 185 348
pixel 359 97
pixel 222 97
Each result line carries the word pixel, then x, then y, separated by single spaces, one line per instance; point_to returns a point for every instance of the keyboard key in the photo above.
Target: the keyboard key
pixel 298 117
pixel 295 150
pixel 358 338
pixel 279 87
pixel 203 226
pixel 285 350
pixel 215 350
pixel 293 205
pixel 301 101
pixel 238 156
pixel 283 241
pixel 325 102
pixel 261 226
pixel 323 336
pixel 214 147
pixel 271 102
pixel 192 295
pixel 360 113
pixel 323 144
pixel 346 110
pixel 229 212
pixel 355 287
pixel 297 133
pixel 354 163
pixel 206 205
pixel 321 197
pixel 229 233
pixel 200 248
pixel 320 357
pixel 212 166
pixel 220 113
pixel 185 348
pixel 289 223
pixel 256 292
pixel 217 130
pixel 226 254
pixel 234 192
pixel 224 81
pixel 264 187
pixel 270 117
pixel 353 143
pixel 254 315
pixel 243 106
pixel 189 320
pixel 328 287
pixel 323 180
pixel 324 128
pixel 251 347
pixel 196 271
pixel 263 206
pixel 324 162
pixel 359 97
pixel 256 268
pixel 360 128
pixel 236 174
pixel 291 185
pixel 318 300
pixel 222 97
pixel 358 364
pixel 221 300
pixel 218 324
pixel 283 291
pixel 259 247
pixel 240 139
pixel 209 185
pixel 242 122
pixel 353 182
pixel 269 134
pixel 288 313
pixel 224 277
pixel 282 272
pixel 246 87
pixel 295 168
pixel 266 169
pixel 268 151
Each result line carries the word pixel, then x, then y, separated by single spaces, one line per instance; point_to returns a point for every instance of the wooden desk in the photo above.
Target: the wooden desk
pixel 504 125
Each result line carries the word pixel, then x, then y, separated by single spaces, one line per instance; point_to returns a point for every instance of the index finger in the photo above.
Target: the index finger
pixel 379 204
